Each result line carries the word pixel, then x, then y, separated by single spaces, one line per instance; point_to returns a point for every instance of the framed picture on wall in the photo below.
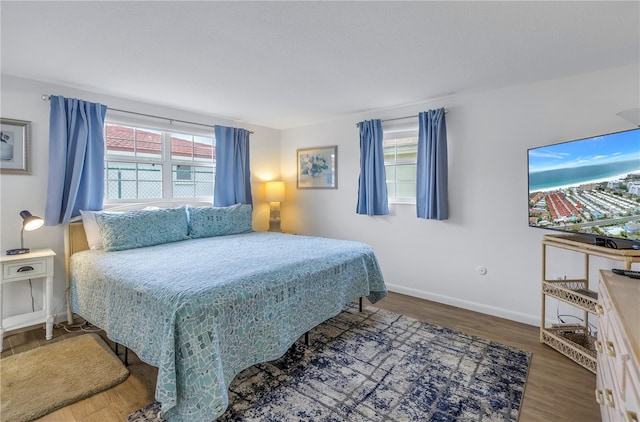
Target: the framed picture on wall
pixel 318 168
pixel 14 146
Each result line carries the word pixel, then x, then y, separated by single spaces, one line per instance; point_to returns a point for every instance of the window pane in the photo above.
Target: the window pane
pixel 406 172
pixel 182 172
pixel 150 172
pixel 406 190
pixel 203 149
pixel 148 135
pixel 125 190
pixel 183 189
pixel 401 155
pixel 149 150
pixel 204 174
pixel 121 171
pixel 139 173
pixel 119 132
pixel 407 156
pixel 389 148
pixel 120 147
pixel 149 189
pixel 204 189
pixel 391 189
pixel 181 147
pixel 390 172
pixel 125 141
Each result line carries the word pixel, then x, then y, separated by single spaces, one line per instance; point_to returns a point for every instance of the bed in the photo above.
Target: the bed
pixel 203 309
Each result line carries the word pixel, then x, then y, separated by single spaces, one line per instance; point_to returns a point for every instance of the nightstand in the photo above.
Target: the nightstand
pixel 35 264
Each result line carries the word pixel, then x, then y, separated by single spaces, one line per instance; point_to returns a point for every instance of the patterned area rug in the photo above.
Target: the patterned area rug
pixel 376 365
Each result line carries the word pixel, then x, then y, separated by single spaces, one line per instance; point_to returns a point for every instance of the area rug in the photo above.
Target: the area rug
pixel 376 365
pixel 47 378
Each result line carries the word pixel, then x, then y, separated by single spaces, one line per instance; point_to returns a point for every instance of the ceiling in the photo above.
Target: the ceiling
pixel 288 64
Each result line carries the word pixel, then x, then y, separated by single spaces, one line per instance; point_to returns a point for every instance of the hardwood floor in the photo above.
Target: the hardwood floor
pixel 557 390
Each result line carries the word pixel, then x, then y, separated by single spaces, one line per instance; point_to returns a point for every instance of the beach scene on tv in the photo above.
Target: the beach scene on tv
pixel 589 186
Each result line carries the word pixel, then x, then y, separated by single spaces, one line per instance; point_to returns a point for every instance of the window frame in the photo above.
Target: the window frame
pixel 395 135
pixel 165 161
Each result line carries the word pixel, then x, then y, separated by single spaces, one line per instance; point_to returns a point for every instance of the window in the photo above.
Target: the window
pixel 144 163
pixel 401 164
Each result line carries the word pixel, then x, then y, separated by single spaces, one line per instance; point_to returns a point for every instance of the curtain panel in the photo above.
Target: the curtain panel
pixel 232 180
pixel 76 159
pixel 432 175
pixel 372 183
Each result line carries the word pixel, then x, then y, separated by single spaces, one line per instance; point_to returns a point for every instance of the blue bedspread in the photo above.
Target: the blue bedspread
pixel 202 310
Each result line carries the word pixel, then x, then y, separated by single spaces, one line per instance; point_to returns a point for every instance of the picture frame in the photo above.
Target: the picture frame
pixel 317 168
pixel 15 142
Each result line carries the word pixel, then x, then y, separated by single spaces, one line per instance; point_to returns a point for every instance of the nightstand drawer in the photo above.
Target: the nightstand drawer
pixel 25 269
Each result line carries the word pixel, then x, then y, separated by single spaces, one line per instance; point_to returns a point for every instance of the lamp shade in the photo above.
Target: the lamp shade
pixel 274 191
pixel 30 222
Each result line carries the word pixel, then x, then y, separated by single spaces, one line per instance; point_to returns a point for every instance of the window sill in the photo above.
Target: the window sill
pixel 401 202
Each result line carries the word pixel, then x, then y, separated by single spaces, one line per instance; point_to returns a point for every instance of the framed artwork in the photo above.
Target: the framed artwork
pixel 318 168
pixel 14 146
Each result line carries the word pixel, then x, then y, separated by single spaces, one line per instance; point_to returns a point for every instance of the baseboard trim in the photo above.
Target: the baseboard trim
pixel 466 304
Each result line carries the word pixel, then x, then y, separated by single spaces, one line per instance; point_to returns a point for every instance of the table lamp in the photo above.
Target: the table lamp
pixel 29 223
pixel 274 194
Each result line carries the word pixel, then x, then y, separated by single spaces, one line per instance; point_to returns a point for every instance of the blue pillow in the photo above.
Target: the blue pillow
pixel 137 229
pixel 219 221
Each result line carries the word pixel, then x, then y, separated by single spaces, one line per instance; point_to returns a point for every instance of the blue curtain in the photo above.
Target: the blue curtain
pixel 432 177
pixel 232 184
pixel 372 184
pixel 76 159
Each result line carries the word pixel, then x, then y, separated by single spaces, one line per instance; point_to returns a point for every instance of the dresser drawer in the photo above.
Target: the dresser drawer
pixel 631 393
pixel 618 370
pixel 25 269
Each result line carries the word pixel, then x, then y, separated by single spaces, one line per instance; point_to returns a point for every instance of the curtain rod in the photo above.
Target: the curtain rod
pixel 46 97
pixel 400 118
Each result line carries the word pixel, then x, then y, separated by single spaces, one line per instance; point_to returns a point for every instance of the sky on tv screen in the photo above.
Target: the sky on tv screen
pixel 587 160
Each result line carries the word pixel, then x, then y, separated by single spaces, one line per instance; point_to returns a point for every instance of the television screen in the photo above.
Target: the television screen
pixel 589 186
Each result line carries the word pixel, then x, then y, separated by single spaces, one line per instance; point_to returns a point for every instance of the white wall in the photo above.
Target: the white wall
pixel 489 133
pixel 21 100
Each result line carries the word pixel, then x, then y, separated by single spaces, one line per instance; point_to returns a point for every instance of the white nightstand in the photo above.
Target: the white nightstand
pixel 36 264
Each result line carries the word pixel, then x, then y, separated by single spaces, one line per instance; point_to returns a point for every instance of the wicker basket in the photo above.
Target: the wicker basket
pixel 566 290
pixel 574 342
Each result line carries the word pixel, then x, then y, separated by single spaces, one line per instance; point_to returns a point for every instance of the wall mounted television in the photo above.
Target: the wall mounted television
pixel 589 187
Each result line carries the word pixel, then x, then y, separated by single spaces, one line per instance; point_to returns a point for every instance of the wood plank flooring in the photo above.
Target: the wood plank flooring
pixel 557 389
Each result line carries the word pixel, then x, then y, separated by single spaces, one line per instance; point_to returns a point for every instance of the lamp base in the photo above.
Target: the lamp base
pixel 18 251
pixel 274 217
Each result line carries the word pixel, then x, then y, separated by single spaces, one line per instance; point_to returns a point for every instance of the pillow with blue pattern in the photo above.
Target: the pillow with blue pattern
pixel 219 221
pixel 140 228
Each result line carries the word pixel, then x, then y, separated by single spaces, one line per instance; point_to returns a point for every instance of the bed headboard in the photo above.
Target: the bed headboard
pixel 75 238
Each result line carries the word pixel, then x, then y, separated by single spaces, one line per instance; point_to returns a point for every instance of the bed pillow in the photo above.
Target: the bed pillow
pixel 219 221
pixel 91 229
pixel 137 229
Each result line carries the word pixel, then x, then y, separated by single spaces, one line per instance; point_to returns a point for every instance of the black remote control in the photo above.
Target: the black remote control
pixel 618 271
pixel 632 274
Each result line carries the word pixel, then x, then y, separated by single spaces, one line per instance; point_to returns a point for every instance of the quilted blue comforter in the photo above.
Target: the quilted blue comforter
pixel 202 310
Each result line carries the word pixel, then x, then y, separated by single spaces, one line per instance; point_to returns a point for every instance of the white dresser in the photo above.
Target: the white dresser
pixel 618 348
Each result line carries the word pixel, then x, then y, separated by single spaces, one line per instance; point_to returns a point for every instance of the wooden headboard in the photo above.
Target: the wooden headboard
pixel 77 238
